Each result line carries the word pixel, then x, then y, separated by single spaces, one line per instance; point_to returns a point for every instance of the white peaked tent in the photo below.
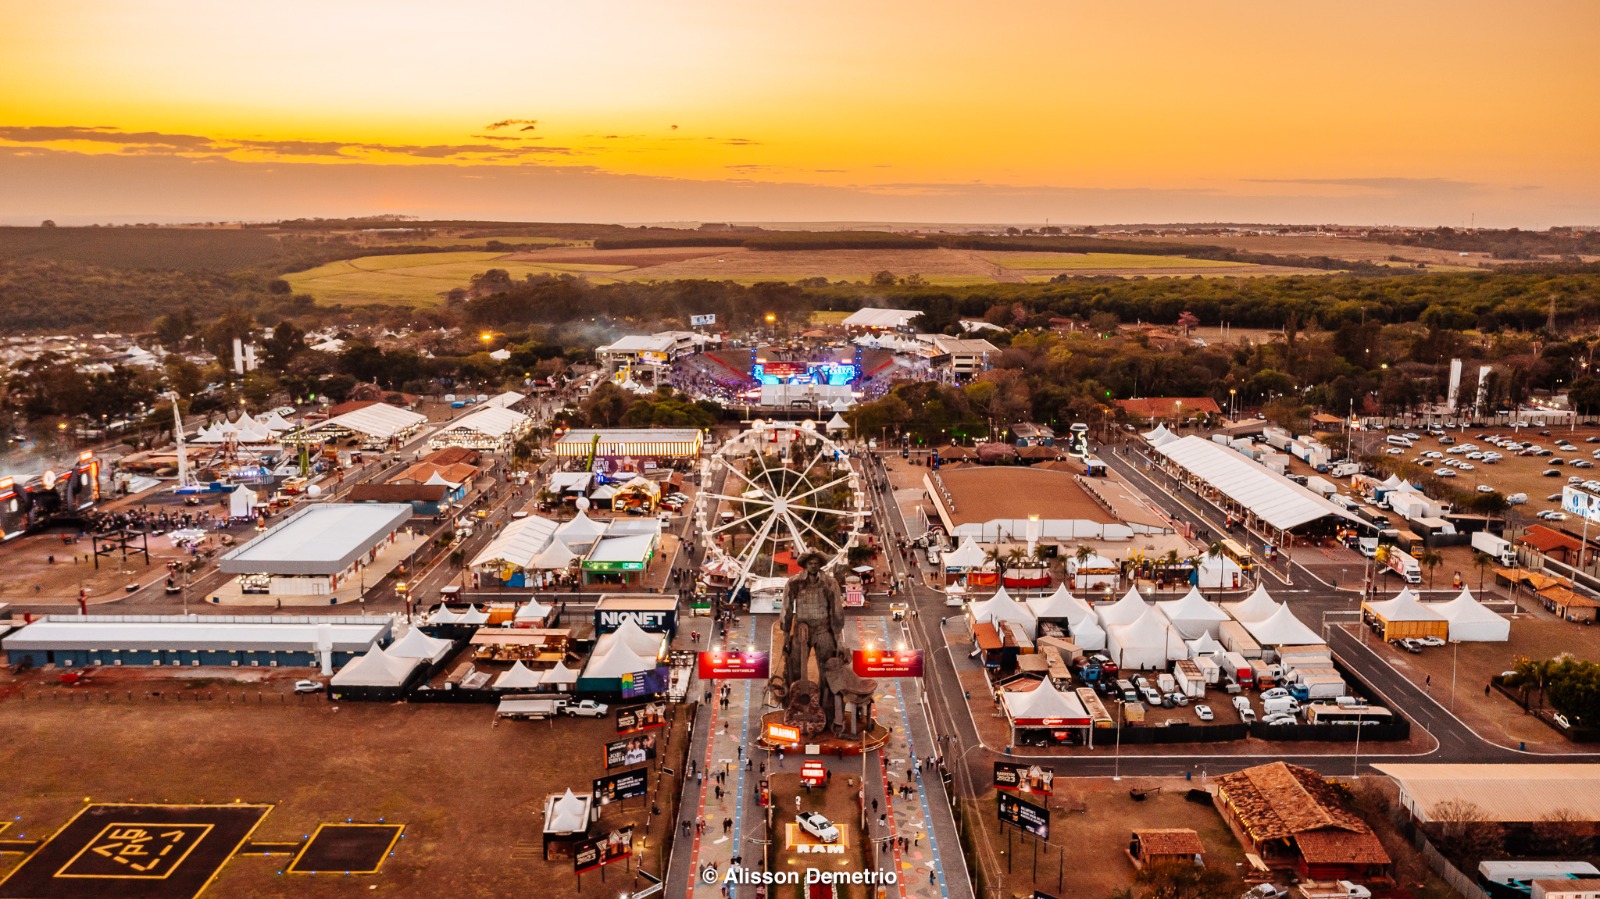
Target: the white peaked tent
pixel 554 557
pixel 1258 606
pixel 560 674
pixel 617 660
pixel 837 423
pixel 244 422
pixel 569 815
pixel 1126 610
pixel 443 615
pixel 1192 616
pixel 473 615
pixel 532 610
pixel 417 645
pixel 520 677
pixel 579 529
pixel 631 635
pixel 275 423
pixel 437 480
pixel 1001 607
pixel 1088 634
pixel 1145 644
pixel 1044 701
pixel 1204 645
pixel 1282 629
pixel 242 502
pixel 603 493
pixel 1160 436
pixel 1471 622
pixel 967 555
pixel 375 669
pixel 1061 605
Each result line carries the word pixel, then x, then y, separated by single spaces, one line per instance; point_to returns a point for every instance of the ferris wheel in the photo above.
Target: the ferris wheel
pixel 777 487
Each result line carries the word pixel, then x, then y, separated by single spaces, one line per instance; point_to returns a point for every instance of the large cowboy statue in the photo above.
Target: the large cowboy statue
pixel 813 619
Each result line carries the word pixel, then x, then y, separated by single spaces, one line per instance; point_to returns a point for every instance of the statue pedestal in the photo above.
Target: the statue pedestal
pixel 826 743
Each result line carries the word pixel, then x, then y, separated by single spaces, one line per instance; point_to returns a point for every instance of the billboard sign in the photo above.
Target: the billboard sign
pixel 733 665
pixel 632 751
pixel 603 850
pixel 1025 816
pixel 887 662
pixel 1577 502
pixel 650 682
pixel 702 321
pixel 652 621
pixel 617 787
pixel 1034 779
pixel 640 718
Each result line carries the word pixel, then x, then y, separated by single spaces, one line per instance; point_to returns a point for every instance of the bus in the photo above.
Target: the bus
pixel 1236 551
pixel 1332 713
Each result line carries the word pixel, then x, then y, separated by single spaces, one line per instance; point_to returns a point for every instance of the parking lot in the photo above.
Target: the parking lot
pixel 1536 473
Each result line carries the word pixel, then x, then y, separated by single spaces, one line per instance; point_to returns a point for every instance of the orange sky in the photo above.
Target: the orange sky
pixel 1407 112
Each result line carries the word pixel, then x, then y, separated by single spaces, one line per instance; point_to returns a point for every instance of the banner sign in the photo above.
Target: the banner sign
pixel 1024 779
pixel 614 846
pixel 639 718
pixel 1025 816
pixel 616 787
pixel 887 663
pixel 782 733
pixel 632 751
pixel 702 321
pixel 733 665
pixel 778 369
pixel 652 682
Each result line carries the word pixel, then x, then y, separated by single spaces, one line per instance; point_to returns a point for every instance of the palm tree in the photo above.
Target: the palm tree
pixel 1083 555
pixel 1213 553
pixel 1380 559
pixel 1430 557
pixel 1483 562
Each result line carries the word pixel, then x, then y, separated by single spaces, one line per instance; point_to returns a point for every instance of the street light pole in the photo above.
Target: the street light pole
pixel 1116 763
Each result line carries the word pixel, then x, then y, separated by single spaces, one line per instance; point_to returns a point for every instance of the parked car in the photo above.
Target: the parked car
pixel 1446 472
pixel 1409 645
pixel 1275 693
pixel 818 826
pixel 307 686
pixel 1394 451
pixel 1280 719
pixel 1176 698
pixel 1431 641
pixel 588 708
pixel 1582 463
pixel 1204 713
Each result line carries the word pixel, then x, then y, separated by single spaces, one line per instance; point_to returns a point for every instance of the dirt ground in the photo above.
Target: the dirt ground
pixel 1535 634
pixel 470 792
pixel 983 493
pixel 1091 820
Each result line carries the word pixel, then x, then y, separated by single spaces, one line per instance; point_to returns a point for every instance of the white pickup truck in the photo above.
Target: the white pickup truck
pixel 588 708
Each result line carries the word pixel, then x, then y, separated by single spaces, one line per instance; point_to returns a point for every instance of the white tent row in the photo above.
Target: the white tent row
pixel 1001 607
pixel 1192 616
pixel 379 421
pixel 1470 622
pixel 1160 436
pixel 1273 498
pixel 490 421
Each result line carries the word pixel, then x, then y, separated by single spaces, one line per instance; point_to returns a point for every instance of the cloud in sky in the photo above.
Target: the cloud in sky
pixel 527 124
pixel 148 143
pixel 72 187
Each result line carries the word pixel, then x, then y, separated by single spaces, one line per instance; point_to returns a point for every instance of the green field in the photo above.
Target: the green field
pixel 418 279
pixel 508 239
pixel 1070 261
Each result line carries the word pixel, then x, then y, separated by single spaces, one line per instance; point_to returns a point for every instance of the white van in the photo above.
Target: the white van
pixel 1397 440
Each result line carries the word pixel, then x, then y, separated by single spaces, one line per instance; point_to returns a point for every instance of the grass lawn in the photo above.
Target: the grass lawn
pixel 1069 261
pixel 417 279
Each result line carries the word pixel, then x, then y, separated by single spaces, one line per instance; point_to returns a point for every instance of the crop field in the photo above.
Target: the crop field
pixel 182 249
pixel 1334 247
pixel 1072 261
pixel 423 279
pixel 419 279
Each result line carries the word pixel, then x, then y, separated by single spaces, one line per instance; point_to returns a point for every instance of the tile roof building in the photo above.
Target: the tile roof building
pixel 1294 818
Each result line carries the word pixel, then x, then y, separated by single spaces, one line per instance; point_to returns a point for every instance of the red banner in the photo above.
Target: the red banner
pixel 733 665
pixel 887 663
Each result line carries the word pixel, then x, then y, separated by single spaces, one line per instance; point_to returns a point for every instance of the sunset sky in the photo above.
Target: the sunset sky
pixel 1150 111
